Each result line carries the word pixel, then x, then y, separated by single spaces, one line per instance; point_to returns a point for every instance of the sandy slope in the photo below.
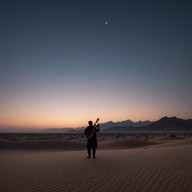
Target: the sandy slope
pixel 68 145
pixel 144 169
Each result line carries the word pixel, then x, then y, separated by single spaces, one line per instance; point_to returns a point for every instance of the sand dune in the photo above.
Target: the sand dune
pixel 157 169
pixel 124 143
pixel 43 145
pixel 76 144
pixel 175 143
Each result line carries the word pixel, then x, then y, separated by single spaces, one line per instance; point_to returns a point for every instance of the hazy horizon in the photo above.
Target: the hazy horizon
pixel 5 128
pixel 66 62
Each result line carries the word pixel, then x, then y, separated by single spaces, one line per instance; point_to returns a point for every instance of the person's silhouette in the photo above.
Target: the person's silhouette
pixel 90 133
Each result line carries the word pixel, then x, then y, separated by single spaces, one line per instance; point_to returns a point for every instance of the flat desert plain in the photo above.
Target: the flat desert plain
pixel 123 163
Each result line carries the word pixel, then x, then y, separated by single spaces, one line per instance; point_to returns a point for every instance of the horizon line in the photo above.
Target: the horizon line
pixel 83 126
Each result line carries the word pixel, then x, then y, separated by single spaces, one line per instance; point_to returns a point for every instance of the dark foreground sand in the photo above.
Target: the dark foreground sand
pixel 162 167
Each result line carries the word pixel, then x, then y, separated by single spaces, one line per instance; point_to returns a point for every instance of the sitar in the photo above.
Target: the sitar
pixel 90 134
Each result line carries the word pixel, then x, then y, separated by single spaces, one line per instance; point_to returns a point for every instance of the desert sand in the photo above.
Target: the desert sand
pixel 158 164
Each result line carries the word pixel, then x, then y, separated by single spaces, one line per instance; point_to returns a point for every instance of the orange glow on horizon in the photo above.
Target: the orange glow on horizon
pixel 58 123
pixel 41 110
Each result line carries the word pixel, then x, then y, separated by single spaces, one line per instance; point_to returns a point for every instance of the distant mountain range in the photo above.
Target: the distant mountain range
pixel 63 130
pixel 103 126
pixel 165 124
pixel 126 123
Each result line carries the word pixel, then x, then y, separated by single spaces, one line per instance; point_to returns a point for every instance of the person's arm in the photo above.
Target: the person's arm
pixel 97 129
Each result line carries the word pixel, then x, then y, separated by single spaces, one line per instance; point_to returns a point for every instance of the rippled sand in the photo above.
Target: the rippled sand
pixel 162 167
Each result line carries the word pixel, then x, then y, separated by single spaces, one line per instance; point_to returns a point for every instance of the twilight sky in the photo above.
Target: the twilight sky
pixel 62 65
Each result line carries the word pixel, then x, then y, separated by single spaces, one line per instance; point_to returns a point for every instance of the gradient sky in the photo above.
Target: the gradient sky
pixel 61 65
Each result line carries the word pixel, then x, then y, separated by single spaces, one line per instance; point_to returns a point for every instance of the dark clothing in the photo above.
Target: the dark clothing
pixel 89 151
pixel 92 142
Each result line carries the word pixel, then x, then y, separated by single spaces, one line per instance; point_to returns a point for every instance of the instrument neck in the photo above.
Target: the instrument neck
pixel 95 122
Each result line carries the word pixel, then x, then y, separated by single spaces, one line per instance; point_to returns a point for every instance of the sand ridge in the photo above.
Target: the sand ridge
pixel 163 169
pixel 78 142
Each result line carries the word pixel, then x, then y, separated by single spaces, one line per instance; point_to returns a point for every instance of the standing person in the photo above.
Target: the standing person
pixel 90 133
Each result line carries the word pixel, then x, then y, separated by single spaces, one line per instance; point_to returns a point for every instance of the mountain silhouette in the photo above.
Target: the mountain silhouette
pixel 126 123
pixel 103 126
pixel 165 124
pixel 172 124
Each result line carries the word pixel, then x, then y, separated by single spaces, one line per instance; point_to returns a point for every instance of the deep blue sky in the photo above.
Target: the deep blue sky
pixel 61 64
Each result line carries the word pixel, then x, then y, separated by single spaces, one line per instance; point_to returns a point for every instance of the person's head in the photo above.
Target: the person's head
pixel 90 123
